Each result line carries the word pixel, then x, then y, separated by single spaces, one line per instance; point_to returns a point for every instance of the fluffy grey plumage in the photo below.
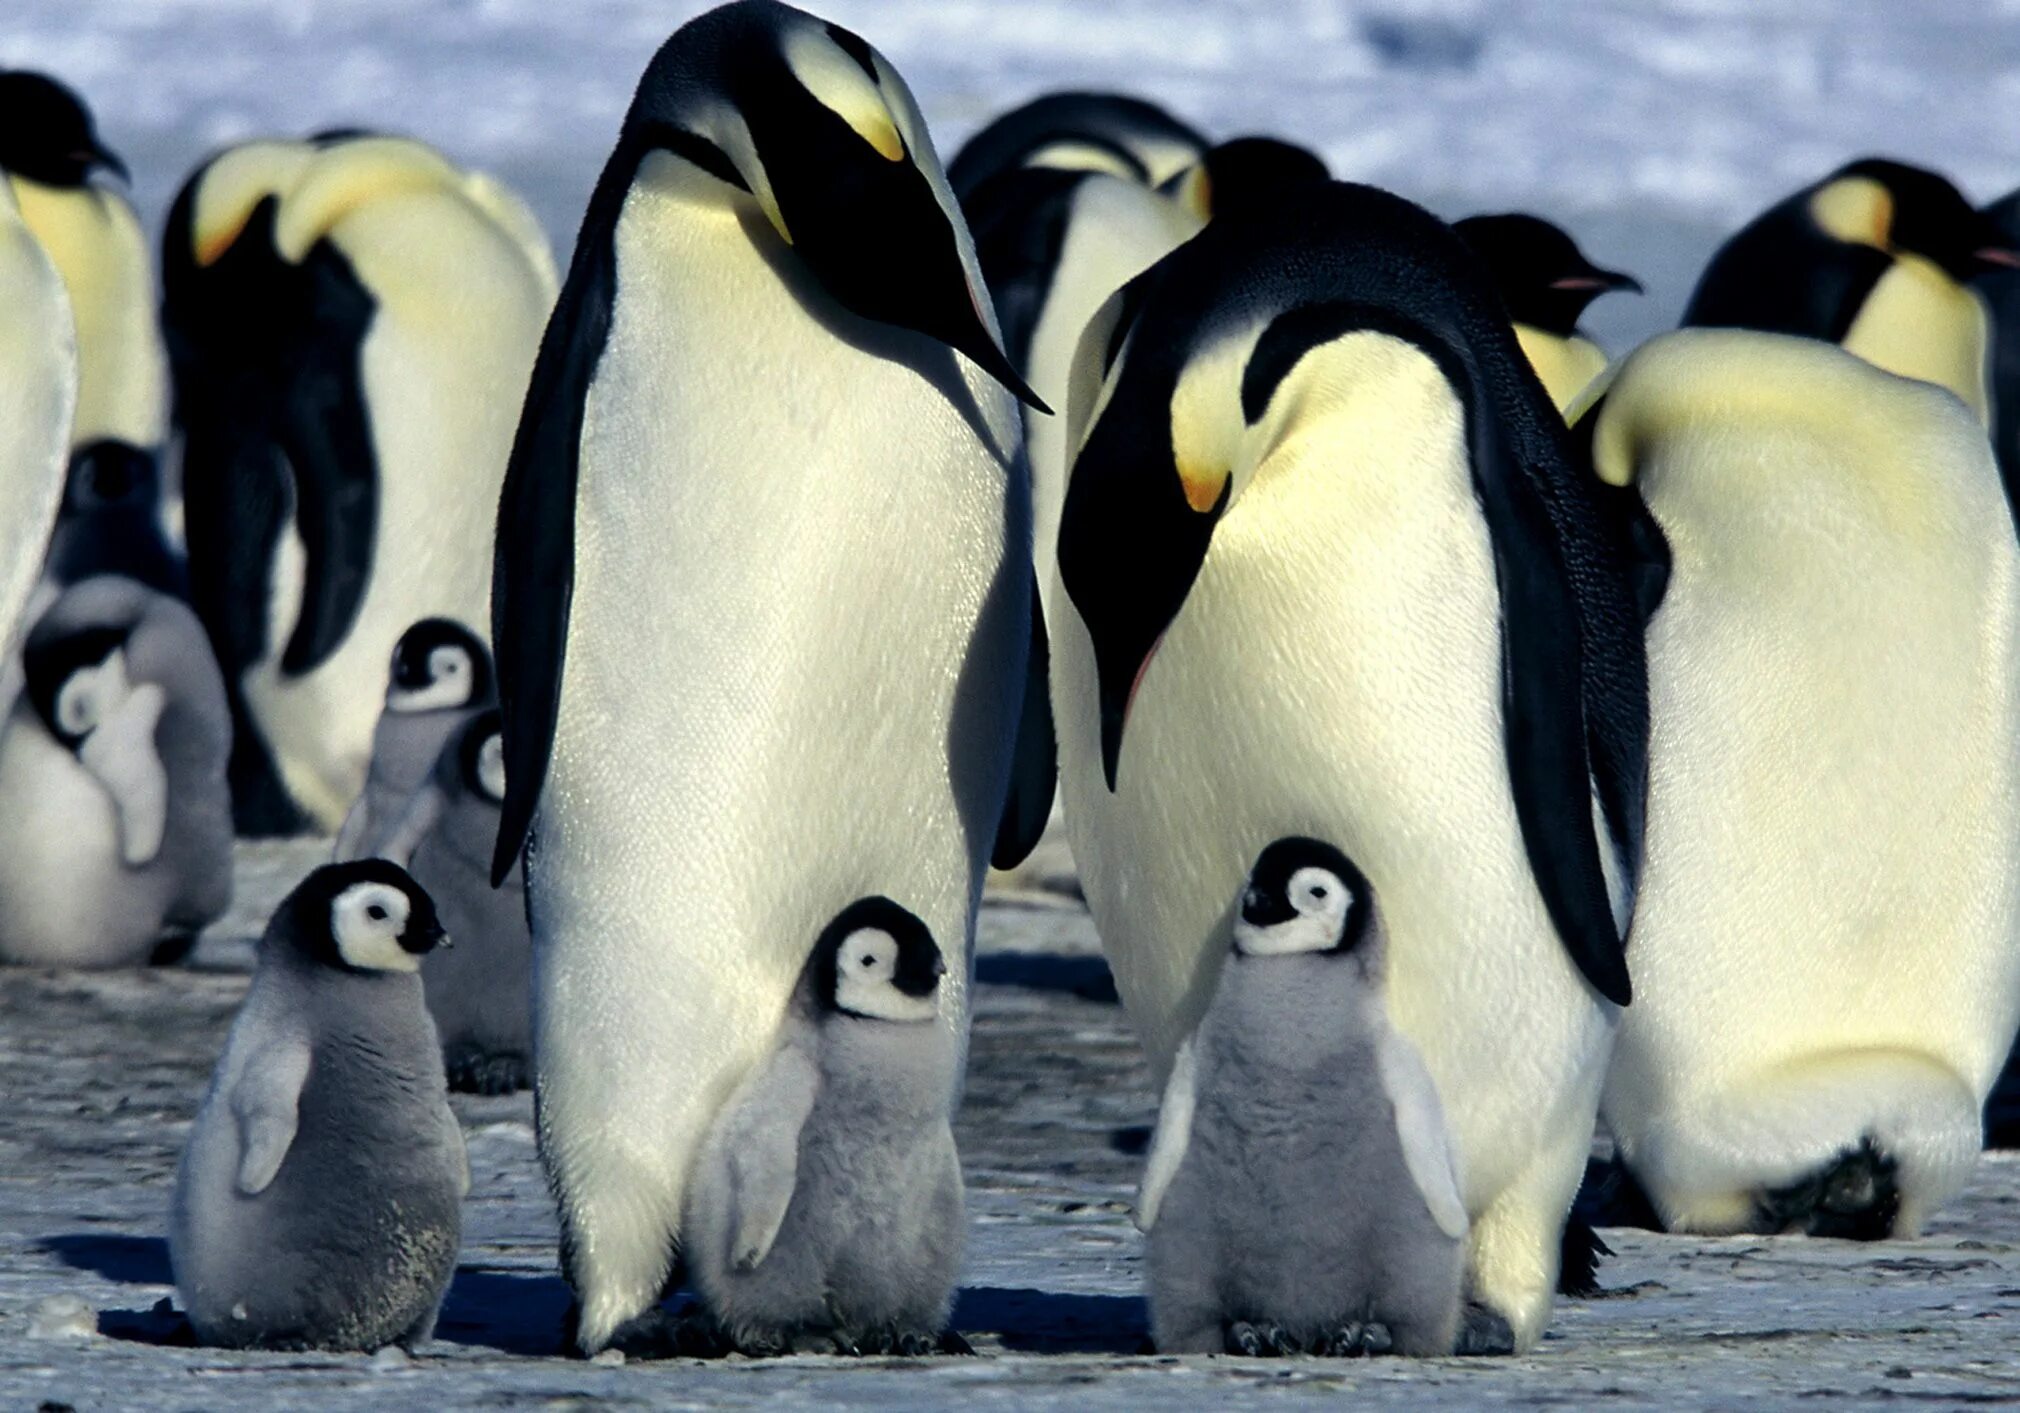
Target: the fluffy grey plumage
pixel 1300 1195
pixel 318 1204
pixel 440 676
pixel 115 816
pixel 480 991
pixel 826 1207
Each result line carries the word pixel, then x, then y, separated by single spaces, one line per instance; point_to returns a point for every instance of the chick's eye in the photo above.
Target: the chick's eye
pixel 376 912
pixel 869 961
pixel 1318 891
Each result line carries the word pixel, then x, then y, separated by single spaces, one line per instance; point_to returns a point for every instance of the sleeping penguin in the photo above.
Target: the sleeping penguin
pixel 1876 257
pixel 112 786
pixel 1547 282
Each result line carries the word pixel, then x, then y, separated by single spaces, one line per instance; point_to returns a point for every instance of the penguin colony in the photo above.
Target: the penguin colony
pixel 1461 739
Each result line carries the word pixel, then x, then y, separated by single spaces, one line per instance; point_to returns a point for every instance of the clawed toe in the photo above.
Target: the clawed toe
pixel 1484 1332
pixel 1261 1341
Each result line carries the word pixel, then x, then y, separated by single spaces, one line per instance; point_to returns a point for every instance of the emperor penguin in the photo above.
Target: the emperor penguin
pixel 1300 1195
pixel 115 819
pixel 826 1209
pixel 50 150
pixel 318 1203
pixel 1823 943
pixel 1327 570
pixel 762 606
pixel 481 991
pixel 1054 243
pixel 440 676
pixel 1079 131
pixel 1546 281
pixel 1877 258
pixel 352 321
pixel 38 394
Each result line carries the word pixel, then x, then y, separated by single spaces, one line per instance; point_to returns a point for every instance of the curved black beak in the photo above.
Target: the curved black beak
pixel 100 156
pixel 1598 281
pixel 423 937
pixel 1261 907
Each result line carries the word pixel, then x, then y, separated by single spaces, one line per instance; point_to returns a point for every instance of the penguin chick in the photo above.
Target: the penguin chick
pixel 1300 1195
pixel 826 1207
pixel 318 1204
pixel 110 521
pixel 440 675
pixel 1874 258
pixel 1547 282
pixel 480 992
pixel 112 783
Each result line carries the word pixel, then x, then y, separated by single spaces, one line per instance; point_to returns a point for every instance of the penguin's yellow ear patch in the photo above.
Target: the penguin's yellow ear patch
pixel 234 185
pixel 842 86
pixel 1207 426
pixel 1856 210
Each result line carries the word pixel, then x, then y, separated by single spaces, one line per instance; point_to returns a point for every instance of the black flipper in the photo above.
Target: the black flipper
pixel 533 577
pixel 1034 766
pixel 326 434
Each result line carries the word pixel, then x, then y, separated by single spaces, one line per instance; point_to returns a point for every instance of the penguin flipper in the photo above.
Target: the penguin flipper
pixel 265 1102
pixel 761 1137
pixel 533 575
pixel 326 434
pixel 1034 763
pixel 1420 1127
pixel 1172 1136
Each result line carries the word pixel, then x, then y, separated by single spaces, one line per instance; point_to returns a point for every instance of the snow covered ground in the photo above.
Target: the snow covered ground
pixel 1649 128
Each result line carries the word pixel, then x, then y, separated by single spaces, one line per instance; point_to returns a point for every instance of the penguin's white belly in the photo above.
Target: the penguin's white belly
pixel 1336 672
pixel 66 899
pixel 444 378
pixel 1920 323
pixel 38 391
pixel 779 672
pixel 1832 823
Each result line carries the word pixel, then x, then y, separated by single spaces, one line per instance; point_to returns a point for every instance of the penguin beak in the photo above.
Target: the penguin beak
pixel 101 156
pixel 1598 281
pixel 1997 257
pixel 424 937
pixel 1262 908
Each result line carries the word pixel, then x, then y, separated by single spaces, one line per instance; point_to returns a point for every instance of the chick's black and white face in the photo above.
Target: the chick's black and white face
pixel 1301 896
pixel 444 681
pixel 873 979
pixel 375 929
pixel 90 696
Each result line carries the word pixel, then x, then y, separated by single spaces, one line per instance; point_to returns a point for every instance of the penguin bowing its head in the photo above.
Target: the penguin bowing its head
pixel 1546 282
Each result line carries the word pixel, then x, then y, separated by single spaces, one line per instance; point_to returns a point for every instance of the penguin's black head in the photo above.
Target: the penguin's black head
pixel 368 915
pixel 1896 207
pixel 438 664
pixel 878 961
pixel 109 474
pixel 46 132
pixel 75 680
pixel 1302 895
pixel 1542 274
pixel 1235 174
pixel 814 123
pixel 480 757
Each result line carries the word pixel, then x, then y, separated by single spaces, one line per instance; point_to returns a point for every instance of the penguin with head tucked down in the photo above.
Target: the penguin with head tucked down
pixel 112 516
pixel 1327 569
pixel 1825 978
pixel 1080 132
pixel 38 392
pixel 352 320
pixel 1055 243
pixel 764 541
pixel 118 838
pixel 440 677
pixel 1876 258
pixel 1546 282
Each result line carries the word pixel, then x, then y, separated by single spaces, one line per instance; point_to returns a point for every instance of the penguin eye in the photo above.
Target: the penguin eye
pixel 868 960
pixel 376 912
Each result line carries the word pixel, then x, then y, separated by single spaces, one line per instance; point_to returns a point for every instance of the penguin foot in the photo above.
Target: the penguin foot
pixel 1356 1339
pixel 1484 1332
pixel 171 948
pixel 474 1070
pixel 1855 1197
pixel 661 1334
pixel 1261 1341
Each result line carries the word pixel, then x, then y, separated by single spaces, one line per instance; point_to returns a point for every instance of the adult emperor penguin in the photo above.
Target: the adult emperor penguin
pixel 1546 281
pixel 1055 243
pixel 318 1204
pixel 352 321
pixel 1300 1195
pixel 1331 574
pixel 115 821
pixel 1076 131
pixel 38 392
pixel 826 1208
pixel 440 677
pixel 49 150
pixel 480 992
pixel 764 545
pixel 1823 948
pixel 1876 258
